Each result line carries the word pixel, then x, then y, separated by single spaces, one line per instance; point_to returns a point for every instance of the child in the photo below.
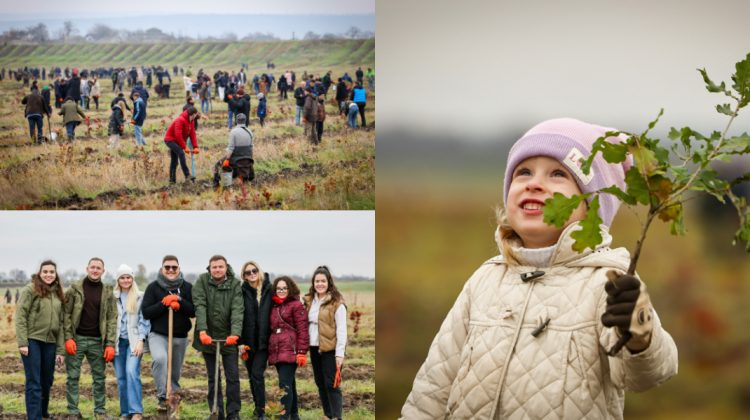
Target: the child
pixel 261 108
pixel 527 336
pixel 116 124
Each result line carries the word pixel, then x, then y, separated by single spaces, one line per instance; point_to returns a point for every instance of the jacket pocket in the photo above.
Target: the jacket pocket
pixel 456 394
pixel 577 391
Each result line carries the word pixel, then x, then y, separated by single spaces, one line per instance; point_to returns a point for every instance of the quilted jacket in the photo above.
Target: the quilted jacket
pixel 485 362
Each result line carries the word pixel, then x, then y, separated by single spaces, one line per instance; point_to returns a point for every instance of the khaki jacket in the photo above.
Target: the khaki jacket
pixel 107 312
pixel 39 318
pixel 485 363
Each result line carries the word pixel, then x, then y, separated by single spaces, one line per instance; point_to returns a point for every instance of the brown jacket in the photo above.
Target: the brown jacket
pixel 326 321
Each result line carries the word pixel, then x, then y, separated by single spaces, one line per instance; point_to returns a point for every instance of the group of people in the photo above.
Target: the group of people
pixel 245 317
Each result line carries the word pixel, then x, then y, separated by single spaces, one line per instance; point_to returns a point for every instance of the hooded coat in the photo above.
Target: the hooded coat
pixel 485 363
pixel 180 130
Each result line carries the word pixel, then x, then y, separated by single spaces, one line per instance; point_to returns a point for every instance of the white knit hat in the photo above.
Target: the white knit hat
pixel 122 270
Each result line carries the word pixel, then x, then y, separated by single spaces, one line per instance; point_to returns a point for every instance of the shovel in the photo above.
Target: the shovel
pixel 192 157
pixel 49 128
pixel 169 362
pixel 215 408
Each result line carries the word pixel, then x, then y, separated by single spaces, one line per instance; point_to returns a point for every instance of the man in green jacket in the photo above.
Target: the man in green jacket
pixel 219 310
pixel 90 332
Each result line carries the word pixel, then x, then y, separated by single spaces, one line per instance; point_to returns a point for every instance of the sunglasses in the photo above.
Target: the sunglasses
pixel 251 271
pixel 171 267
pixel 282 289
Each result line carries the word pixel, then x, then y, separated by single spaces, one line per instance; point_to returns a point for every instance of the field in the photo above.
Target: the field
pixel 358 383
pixel 290 173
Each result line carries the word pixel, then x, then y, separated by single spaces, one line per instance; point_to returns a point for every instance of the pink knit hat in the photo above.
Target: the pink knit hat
pixel 569 141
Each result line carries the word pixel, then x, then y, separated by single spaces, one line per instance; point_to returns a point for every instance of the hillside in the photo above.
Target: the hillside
pixel 297 54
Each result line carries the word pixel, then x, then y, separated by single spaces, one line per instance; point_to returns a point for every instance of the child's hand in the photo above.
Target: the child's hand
pixel 629 309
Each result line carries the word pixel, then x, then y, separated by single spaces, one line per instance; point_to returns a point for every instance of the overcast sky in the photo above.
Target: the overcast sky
pixel 283 242
pixel 84 8
pixel 479 68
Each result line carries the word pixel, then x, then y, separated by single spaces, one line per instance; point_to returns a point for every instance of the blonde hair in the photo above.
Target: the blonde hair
pixel 131 305
pixel 261 277
pixel 506 237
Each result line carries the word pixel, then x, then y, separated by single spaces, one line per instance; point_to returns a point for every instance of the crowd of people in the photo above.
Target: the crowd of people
pixel 75 90
pixel 238 316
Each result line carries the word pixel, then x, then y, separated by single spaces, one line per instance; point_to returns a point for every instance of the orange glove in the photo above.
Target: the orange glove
pixel 175 306
pixel 168 299
pixel 187 151
pixel 205 338
pixel 246 353
pixel 109 354
pixel 88 121
pixel 70 346
pixel 132 122
pixel 225 163
pixel 229 96
pixel 232 340
pixel 337 378
pixel 196 151
pixel 301 360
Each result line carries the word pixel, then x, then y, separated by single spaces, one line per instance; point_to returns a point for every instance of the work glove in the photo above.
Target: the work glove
pixel 337 378
pixel 175 306
pixel 205 338
pixel 70 346
pixel 132 122
pixel 245 353
pixel 196 151
pixel 88 121
pixel 301 360
pixel 225 163
pixel 109 354
pixel 232 340
pixel 187 151
pixel 168 299
pixel 629 309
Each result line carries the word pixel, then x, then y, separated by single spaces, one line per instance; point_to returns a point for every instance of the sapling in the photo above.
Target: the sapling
pixel 662 175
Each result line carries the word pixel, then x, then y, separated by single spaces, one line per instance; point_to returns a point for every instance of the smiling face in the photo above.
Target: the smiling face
pixel 282 290
pixel 250 274
pixel 320 282
pixel 170 269
pixel 95 270
pixel 533 181
pixel 125 282
pixel 218 269
pixel 48 273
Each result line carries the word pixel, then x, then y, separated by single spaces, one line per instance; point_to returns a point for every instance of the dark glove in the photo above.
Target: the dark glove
pixel 629 309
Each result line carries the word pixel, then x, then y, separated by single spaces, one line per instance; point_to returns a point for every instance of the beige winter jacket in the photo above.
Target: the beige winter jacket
pixel 485 363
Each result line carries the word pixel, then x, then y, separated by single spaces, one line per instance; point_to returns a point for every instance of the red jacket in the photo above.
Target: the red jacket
pixel 289 332
pixel 179 131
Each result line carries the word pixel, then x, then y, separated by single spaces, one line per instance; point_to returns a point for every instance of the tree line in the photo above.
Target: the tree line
pixel 40 34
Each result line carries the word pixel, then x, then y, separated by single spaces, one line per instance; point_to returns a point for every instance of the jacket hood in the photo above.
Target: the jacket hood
pixel 564 254
pixel 230 272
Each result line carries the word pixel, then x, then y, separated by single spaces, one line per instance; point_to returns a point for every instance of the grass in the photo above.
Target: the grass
pixel 358 388
pixel 86 174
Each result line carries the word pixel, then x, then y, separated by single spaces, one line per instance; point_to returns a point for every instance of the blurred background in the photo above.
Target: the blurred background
pixel 460 82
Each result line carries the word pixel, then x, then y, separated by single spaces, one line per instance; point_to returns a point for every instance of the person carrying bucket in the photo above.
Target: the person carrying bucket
pixel 238 159
pixel 169 293
pixel 219 312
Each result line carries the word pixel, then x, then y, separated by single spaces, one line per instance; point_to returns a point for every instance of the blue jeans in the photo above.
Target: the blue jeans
pixel 139 140
pixel 230 114
pixel 352 117
pixel 298 115
pixel 71 129
pixel 36 121
pixel 39 367
pixel 128 372
pixel 204 105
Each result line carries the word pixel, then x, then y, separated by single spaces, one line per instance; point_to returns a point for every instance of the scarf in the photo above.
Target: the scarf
pixel 167 284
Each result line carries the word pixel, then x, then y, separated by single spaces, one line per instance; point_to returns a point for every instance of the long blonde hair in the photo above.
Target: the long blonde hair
pixel 506 237
pixel 131 305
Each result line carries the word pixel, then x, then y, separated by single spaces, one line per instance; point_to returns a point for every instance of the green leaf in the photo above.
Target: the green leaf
pixel 557 210
pixel 644 158
pixel 710 85
pixel 636 186
pixel 677 226
pixel 622 195
pixel 709 182
pixel 743 233
pixel 589 236
pixel 652 124
pixel 741 79
pixel 739 144
pixel 614 153
pixel 671 212
pixel 660 187
pixel 609 151
pixel 725 109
